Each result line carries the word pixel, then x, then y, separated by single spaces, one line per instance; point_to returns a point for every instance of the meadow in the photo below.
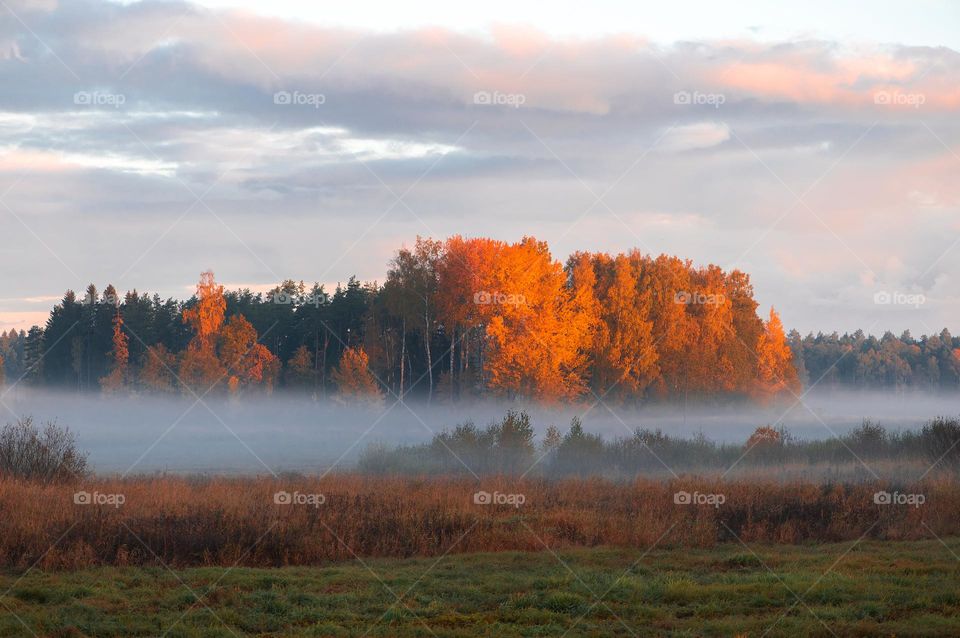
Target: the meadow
pixel 866 588
pixel 572 536
pixel 260 522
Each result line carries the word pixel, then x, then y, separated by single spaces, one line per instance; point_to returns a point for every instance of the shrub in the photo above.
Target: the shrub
pixel 49 455
pixel 941 442
pixel 870 439
pixel 768 445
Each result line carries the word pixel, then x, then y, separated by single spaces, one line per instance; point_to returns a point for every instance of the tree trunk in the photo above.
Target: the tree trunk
pixel 403 353
pixel 453 349
pixel 426 345
pixel 323 368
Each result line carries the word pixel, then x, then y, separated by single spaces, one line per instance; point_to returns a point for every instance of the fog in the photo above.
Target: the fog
pixel 144 434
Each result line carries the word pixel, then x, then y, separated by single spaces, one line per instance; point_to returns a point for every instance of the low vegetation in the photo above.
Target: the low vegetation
pixel 316 521
pixel 47 455
pixel 508 447
pixel 849 589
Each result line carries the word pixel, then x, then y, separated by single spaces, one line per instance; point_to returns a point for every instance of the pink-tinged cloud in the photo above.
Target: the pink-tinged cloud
pixel 581 75
pixel 22 320
pixel 18 160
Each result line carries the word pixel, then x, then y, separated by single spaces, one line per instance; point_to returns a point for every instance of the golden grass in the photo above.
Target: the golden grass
pixel 182 521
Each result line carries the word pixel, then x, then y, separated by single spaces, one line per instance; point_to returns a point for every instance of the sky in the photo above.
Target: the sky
pixel 813 145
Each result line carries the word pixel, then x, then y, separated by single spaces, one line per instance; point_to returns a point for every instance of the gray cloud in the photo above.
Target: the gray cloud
pixel 696 149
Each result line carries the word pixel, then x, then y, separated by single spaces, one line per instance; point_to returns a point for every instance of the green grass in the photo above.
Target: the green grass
pixel 876 588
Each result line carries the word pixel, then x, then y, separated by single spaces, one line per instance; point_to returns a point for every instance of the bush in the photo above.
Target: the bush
pixel 941 442
pixel 49 455
pixel 868 440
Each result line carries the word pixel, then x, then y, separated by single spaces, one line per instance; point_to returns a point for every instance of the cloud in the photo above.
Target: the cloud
pixel 147 141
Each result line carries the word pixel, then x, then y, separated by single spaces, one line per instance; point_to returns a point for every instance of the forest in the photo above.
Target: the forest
pixel 465 318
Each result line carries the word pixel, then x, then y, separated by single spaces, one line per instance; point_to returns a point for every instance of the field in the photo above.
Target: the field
pixel 304 521
pixel 864 588
pixel 781 548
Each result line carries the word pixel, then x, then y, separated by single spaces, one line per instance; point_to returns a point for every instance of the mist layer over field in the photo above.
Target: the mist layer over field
pixel 293 433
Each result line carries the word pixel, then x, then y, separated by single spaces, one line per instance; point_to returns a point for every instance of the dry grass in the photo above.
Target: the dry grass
pixel 181 521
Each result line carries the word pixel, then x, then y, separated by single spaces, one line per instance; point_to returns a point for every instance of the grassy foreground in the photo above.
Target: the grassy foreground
pixel 866 589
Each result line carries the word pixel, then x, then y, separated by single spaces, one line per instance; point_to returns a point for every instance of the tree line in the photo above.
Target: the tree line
pixel 861 361
pixel 454 319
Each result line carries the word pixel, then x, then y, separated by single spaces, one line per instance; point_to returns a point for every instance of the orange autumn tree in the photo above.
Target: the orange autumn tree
pixel 200 368
pixel 623 353
pixel 355 383
pixel 464 281
pixel 711 371
pixel 776 373
pixel 537 334
pixel 157 374
pixel 118 378
pixel 248 363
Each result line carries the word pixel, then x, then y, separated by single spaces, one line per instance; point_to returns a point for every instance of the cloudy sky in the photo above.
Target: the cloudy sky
pixel 815 147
